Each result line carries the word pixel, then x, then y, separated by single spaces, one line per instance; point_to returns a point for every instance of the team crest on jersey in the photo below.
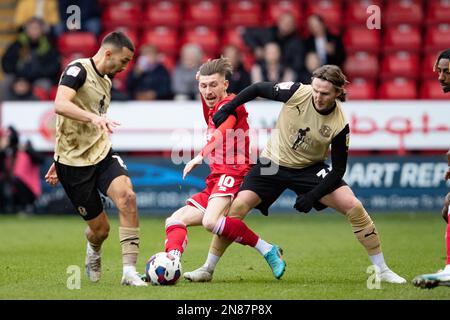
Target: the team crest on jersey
pixel 347 140
pixel 73 71
pixel 82 211
pixel 325 131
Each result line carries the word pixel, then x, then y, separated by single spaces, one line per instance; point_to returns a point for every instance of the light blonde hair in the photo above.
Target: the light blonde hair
pixel 221 66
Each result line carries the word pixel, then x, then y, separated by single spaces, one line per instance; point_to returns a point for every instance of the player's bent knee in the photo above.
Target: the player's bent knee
pixel 364 228
pixel 358 213
pixel 209 223
pixel 101 232
pixel 176 220
pixel 353 202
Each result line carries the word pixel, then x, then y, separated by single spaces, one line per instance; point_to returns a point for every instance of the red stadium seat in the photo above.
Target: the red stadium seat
pixel 233 36
pixel 248 59
pixel 71 57
pixel 329 10
pixel 276 7
pixel 108 2
pixel 162 13
pixel 40 93
pixel 431 89
pixel 362 39
pixel 53 91
pixel 164 38
pixel 203 12
pixel 361 89
pixel 400 64
pixel 402 37
pixel 403 11
pixel 243 13
pixel 398 89
pixel 428 61
pixel 205 37
pixel 361 64
pixel 356 11
pixel 84 43
pixel 121 14
pixel 438 12
pixel 437 37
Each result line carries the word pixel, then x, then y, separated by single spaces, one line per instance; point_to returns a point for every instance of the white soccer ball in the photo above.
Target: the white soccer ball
pixel 163 269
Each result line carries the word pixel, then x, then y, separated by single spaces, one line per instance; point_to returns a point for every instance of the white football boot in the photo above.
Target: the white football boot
pixel 387 275
pixel 93 264
pixel 201 274
pixel 132 278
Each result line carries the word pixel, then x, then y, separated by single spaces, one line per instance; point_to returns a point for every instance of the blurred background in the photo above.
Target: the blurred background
pixel 398 114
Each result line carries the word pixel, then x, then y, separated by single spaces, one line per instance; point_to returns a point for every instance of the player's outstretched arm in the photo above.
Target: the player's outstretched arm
pixel 51 177
pixel 269 90
pixel 65 107
pixel 191 165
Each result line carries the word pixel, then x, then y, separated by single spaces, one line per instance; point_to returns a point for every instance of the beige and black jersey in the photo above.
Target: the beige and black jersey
pixel 79 143
pixel 302 135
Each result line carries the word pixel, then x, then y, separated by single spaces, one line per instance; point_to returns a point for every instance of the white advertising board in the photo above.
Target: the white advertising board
pixel 151 126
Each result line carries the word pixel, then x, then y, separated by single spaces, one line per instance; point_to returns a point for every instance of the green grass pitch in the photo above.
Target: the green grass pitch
pixel 324 260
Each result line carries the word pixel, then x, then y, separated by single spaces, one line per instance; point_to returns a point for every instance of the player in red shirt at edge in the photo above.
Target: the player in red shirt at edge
pixel 228 155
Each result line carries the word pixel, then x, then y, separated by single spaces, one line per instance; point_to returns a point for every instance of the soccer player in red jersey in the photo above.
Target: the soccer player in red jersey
pixel 227 151
pixel 442 67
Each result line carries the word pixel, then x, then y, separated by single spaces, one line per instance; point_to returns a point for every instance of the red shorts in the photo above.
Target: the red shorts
pixel 217 185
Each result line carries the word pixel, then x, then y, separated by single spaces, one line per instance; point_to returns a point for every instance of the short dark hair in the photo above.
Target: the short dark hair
pixel 444 55
pixel 119 40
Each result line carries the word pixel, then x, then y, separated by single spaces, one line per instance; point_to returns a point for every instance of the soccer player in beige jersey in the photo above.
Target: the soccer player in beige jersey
pixel 441 278
pixel 84 161
pixel 310 120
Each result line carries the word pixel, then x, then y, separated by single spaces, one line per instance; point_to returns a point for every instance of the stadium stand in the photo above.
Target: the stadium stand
pixel 162 13
pixel 7 29
pixel 202 12
pixel 398 89
pixel 412 34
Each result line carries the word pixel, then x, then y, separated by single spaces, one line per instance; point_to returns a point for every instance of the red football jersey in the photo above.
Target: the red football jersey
pixel 232 156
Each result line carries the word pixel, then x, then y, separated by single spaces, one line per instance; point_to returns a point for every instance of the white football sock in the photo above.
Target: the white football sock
pixel 129 269
pixel 94 251
pixel 378 260
pixel 211 262
pixel 263 247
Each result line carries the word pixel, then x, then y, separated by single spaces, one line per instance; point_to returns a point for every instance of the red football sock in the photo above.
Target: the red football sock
pixel 176 238
pixel 236 230
pixel 447 241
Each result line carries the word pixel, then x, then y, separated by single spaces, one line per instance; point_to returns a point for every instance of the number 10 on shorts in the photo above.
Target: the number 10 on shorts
pixel 225 182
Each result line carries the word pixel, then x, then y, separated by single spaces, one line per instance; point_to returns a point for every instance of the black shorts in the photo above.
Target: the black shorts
pixel 269 187
pixel 83 183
